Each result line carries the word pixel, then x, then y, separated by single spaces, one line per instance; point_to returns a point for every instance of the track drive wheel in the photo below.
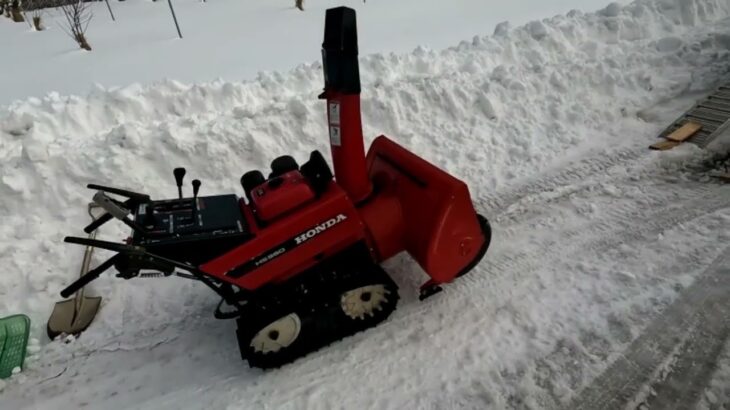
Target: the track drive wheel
pixel 366 305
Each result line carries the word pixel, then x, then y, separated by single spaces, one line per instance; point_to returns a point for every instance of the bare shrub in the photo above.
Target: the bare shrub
pixel 6 6
pixel 35 8
pixel 78 16
pixel 15 12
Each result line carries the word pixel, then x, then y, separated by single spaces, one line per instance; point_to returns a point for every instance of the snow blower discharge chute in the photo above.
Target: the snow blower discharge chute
pixel 297 259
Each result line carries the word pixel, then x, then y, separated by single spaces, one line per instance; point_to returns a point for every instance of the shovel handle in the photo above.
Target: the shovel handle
pixel 91 275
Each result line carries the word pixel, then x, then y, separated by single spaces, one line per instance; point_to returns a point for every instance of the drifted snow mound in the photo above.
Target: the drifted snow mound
pixel 493 111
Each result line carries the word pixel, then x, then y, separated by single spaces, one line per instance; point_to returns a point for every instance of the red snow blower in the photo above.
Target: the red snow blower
pixel 297 257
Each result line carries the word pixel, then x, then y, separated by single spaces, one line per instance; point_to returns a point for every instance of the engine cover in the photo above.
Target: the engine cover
pixel 281 194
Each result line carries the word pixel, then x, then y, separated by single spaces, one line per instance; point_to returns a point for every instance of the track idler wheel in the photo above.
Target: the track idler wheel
pixel 277 335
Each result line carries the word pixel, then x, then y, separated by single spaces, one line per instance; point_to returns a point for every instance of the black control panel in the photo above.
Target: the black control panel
pixel 194 229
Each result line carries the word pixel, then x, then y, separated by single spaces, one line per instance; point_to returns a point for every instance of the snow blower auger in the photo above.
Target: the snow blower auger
pixel 297 261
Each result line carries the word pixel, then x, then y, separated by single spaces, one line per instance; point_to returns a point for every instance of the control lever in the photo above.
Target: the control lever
pixel 196 189
pixel 115 210
pixel 179 175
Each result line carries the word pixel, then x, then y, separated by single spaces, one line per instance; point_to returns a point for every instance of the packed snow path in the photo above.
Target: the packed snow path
pixel 595 236
pixel 676 354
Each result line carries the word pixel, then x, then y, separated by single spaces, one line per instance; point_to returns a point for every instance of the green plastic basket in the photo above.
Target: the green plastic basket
pixel 14 332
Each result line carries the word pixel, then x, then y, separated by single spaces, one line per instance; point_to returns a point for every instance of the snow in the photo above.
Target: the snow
pixel 717 394
pixel 232 40
pixel 548 124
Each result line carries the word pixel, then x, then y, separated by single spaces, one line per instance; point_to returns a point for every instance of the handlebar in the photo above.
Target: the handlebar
pixel 90 276
pixel 135 196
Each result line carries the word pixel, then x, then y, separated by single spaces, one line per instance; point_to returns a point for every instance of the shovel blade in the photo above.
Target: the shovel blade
pixel 65 319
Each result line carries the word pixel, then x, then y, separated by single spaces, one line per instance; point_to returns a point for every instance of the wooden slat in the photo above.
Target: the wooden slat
pixel 684 132
pixel 664 145
pixel 715 105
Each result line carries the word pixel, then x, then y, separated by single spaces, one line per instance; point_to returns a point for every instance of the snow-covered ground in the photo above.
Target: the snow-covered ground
pixel 233 40
pixel 717 392
pixel 594 235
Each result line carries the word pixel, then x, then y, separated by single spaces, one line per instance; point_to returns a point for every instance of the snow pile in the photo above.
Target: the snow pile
pixel 231 39
pixel 498 111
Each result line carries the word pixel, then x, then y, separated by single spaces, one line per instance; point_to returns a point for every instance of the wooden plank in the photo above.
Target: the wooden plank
pixel 664 145
pixel 684 132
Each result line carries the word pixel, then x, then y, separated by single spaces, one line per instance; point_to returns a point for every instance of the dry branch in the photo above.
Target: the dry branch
pixel 78 15
pixel 35 9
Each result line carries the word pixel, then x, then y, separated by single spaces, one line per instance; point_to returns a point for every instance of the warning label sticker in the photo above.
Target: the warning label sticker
pixel 334 113
pixel 335 137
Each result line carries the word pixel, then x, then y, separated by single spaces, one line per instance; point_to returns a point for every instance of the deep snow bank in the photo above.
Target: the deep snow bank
pixel 232 39
pixel 492 110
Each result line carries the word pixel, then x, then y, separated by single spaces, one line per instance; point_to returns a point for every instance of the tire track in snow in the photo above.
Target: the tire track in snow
pixel 618 227
pixel 694 367
pixel 692 330
pixel 577 172
pixel 489 290
pixel 485 287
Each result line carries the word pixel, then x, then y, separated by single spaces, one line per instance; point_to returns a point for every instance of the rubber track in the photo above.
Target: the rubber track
pixel 315 297
pixel 693 329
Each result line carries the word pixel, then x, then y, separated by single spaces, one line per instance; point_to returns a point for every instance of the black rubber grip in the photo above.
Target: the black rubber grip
pixel 91 275
pixel 98 222
pixel 123 192
pixel 111 246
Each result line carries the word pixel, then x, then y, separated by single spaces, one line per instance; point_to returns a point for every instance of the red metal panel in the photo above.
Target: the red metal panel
pixel 272 238
pixel 278 196
pixel 383 218
pixel 440 227
pixel 346 142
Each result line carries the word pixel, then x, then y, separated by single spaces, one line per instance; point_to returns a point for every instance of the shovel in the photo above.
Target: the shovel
pixel 74 315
